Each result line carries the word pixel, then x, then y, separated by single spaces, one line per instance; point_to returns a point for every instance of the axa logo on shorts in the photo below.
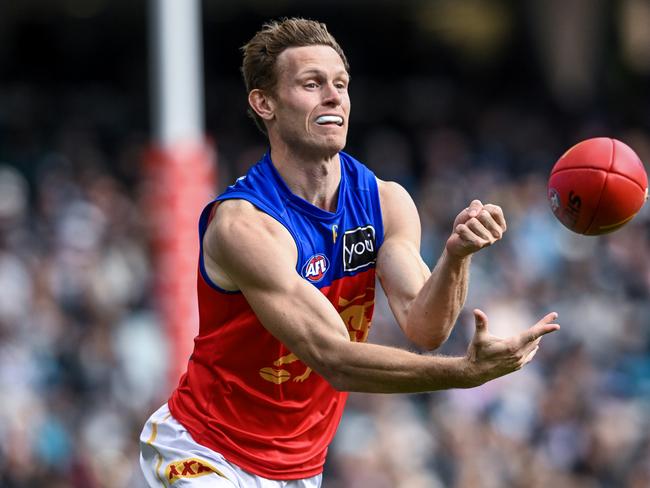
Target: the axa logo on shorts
pixel 359 248
pixel 316 267
pixel 188 468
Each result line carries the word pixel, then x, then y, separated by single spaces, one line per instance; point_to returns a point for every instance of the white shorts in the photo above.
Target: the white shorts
pixel 170 458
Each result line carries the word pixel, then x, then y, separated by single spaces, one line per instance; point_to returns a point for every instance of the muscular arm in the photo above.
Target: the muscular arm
pixel 258 256
pixel 426 304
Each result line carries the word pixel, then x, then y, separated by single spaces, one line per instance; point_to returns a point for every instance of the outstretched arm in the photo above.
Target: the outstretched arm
pixel 240 237
pixel 426 303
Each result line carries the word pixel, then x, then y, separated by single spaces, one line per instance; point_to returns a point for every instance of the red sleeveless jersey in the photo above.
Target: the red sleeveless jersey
pixel 245 395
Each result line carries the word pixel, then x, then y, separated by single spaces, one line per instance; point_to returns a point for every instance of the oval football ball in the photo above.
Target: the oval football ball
pixel 597 186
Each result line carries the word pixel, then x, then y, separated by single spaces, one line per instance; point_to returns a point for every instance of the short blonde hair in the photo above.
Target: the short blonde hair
pixel 262 51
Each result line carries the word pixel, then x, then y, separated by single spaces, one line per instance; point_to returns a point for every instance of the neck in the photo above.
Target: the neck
pixel 313 179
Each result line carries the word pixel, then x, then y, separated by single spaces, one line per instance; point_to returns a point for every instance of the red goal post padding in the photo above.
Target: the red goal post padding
pixel 179 181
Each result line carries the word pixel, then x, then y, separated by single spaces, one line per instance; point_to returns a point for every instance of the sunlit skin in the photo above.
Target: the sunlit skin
pixel 312 82
pixel 254 246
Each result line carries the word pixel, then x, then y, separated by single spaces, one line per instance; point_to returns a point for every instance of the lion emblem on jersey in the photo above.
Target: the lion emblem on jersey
pixel 356 312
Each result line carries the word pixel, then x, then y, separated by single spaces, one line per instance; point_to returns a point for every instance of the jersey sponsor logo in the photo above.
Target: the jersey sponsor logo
pixel 359 248
pixel 315 268
pixel 189 468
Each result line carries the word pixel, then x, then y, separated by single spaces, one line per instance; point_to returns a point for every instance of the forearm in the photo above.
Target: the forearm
pixel 378 369
pixel 434 311
pixel 373 368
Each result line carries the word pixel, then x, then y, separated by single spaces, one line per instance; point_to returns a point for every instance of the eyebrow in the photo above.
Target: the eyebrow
pixel 315 71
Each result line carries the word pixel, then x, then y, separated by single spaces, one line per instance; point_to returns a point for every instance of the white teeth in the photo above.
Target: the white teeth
pixel 330 119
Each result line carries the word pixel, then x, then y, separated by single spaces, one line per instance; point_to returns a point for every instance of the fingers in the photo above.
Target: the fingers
pixel 496 357
pixel 493 221
pixel 497 215
pixel 481 323
pixel 474 208
pixel 490 215
pixel 529 347
pixel 525 354
pixel 480 225
pixel 468 213
pixel 482 229
pixel 543 327
pixel 473 235
pixel 529 357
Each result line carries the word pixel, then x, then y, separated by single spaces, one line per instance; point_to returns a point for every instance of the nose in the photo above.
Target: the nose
pixel 331 95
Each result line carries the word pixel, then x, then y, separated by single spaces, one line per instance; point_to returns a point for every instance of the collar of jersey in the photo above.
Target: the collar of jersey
pixel 299 202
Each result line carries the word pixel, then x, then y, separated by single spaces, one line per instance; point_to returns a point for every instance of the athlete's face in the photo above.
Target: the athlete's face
pixel 311 105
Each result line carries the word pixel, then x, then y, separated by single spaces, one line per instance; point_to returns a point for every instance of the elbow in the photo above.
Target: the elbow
pixel 428 342
pixel 338 373
pixel 335 375
pixel 420 332
pixel 426 332
pixel 338 381
pixel 329 364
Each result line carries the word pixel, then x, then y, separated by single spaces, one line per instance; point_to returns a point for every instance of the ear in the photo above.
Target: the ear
pixel 262 104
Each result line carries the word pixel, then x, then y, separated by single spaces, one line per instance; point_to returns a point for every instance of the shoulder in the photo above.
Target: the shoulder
pixel 397 207
pixel 391 192
pixel 243 245
pixel 239 215
pixel 241 235
pixel 240 222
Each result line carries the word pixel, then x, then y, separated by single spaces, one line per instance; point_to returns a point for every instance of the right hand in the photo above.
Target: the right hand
pixel 476 227
pixel 490 357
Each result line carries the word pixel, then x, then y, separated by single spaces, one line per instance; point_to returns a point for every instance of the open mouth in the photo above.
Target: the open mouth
pixel 330 120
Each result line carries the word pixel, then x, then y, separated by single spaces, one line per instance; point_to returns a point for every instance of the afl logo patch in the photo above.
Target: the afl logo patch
pixel 316 267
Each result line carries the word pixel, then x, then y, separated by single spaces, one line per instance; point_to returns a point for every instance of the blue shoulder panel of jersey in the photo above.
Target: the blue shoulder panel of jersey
pixel 330 245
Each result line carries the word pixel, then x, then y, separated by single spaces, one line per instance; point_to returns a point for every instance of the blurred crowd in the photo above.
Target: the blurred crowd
pixel 577 415
pixel 83 352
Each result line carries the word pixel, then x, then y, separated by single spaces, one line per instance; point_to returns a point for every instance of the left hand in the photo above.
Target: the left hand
pixel 476 227
pixel 490 357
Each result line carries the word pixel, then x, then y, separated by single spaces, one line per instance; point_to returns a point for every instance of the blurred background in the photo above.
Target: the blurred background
pixel 454 99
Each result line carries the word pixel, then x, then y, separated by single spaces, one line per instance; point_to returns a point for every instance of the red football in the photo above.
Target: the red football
pixel 597 186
